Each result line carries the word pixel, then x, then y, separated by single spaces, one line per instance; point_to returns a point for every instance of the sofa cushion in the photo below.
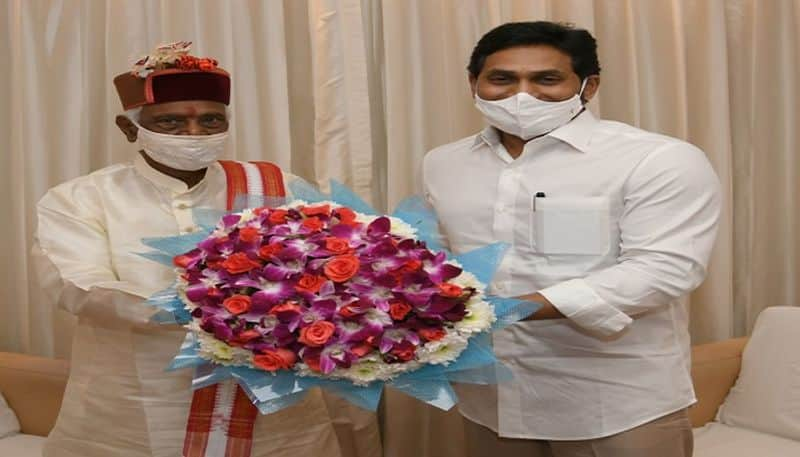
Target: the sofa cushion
pixel 715 440
pixel 21 445
pixel 9 425
pixel 766 397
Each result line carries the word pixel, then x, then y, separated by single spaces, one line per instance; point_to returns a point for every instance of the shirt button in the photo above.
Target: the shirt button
pixel 189 229
pixel 182 206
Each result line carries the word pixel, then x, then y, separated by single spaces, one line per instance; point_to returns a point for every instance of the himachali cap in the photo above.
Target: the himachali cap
pixel 170 74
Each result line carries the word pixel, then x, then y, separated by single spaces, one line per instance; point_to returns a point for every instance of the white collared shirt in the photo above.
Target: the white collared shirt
pixel 622 228
pixel 119 398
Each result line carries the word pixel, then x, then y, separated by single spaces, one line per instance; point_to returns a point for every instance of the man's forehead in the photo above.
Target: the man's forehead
pixel 529 59
pixel 186 108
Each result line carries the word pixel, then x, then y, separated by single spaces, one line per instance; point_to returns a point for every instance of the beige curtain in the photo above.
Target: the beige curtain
pixel 359 90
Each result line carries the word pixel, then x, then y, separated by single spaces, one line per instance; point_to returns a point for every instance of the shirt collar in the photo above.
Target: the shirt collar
pixel 577 133
pixel 176 186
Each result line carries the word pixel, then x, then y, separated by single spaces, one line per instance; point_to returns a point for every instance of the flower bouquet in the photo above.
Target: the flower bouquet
pixel 324 292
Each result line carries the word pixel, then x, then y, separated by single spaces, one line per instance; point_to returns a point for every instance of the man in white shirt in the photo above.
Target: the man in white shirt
pixel 608 226
pixel 120 401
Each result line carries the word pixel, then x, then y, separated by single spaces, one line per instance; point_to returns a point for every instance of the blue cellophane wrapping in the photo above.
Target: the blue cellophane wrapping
pixel 270 392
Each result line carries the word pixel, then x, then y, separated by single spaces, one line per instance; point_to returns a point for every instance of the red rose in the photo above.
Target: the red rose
pixel 269 250
pixel 215 264
pixel 317 334
pixel 313 363
pixel 313 223
pixel 432 334
pixel 277 216
pixel 450 290
pixel 310 283
pixel 324 210
pixel 341 268
pixel 288 307
pixel 182 261
pixel 399 310
pixel 361 350
pixel 337 245
pixel 237 304
pixel 274 360
pixel 247 335
pixel 348 311
pixel 239 263
pixel 346 216
pixel 404 352
pixel 411 266
pixel 249 234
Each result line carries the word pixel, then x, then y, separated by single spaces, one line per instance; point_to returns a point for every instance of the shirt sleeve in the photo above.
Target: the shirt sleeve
pixel 441 236
pixel 73 264
pixel 668 227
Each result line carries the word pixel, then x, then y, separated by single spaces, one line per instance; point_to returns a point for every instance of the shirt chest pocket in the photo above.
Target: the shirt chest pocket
pixel 570 225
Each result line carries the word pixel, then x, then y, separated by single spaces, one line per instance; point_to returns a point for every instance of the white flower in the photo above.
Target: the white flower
pixel 402 229
pixel 443 351
pixel 219 352
pixel 480 316
pixel 245 216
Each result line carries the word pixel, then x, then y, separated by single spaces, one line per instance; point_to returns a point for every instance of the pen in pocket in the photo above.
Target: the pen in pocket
pixel 538 195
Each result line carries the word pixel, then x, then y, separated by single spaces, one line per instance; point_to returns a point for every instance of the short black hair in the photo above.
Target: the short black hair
pixel 577 43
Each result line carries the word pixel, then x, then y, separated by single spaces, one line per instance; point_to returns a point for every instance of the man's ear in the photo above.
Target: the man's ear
pixel 589 91
pixel 473 85
pixel 128 128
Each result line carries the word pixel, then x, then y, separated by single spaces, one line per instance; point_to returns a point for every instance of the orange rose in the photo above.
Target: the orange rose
pixel 341 268
pixel 337 245
pixel 274 360
pixel 399 310
pixel 310 283
pixel 432 334
pixel 450 290
pixel 269 250
pixel 317 334
pixel 324 210
pixel 237 304
pixel 239 263
pixel 249 234
pixel 277 216
pixel 411 266
pixel 313 223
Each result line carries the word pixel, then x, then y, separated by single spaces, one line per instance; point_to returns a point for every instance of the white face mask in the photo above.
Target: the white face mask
pixel 182 152
pixel 526 116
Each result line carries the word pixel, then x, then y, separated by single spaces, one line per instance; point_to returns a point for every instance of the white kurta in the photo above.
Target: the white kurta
pixel 622 227
pixel 119 399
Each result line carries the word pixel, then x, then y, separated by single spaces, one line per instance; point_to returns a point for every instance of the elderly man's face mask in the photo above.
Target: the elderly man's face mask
pixel 185 135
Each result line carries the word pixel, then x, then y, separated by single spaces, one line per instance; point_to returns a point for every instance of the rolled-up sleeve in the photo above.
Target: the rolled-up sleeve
pixel 668 227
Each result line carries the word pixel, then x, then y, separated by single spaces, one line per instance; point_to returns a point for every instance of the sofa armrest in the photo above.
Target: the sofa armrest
pixel 34 387
pixel 715 367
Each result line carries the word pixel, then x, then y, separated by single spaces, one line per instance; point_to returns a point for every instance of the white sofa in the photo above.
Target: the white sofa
pixel 759 415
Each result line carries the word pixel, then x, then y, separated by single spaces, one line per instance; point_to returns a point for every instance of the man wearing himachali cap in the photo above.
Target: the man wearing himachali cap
pixel 120 401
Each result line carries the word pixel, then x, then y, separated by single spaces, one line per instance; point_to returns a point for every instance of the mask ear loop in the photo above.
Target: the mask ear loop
pixel 583 86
